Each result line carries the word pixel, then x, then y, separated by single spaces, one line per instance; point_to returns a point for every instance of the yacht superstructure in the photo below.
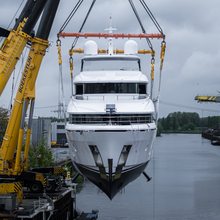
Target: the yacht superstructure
pixel 111 124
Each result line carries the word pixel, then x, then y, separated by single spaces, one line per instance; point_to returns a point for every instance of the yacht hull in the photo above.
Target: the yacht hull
pixel 111 158
pixel 111 183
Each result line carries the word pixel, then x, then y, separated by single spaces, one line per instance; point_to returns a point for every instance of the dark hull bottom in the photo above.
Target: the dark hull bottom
pixel 111 183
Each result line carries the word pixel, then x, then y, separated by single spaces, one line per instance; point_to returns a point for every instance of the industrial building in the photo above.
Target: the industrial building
pixel 51 133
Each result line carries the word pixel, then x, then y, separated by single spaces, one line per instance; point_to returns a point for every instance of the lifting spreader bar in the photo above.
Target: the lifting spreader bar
pixel 111 35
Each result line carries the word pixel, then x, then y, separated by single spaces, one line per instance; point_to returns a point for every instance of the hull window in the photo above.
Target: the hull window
pixel 96 155
pixel 122 160
pixel 124 155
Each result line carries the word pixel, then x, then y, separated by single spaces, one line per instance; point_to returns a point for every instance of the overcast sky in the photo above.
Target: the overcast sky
pixel 191 65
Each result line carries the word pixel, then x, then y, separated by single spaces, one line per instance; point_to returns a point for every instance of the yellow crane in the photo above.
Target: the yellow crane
pixel 203 98
pixel 15 146
pixel 17 38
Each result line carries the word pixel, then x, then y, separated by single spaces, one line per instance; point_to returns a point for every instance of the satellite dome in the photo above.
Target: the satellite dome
pixel 130 47
pixel 90 47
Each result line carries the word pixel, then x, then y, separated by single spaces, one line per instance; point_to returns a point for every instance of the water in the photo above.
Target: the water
pixel 185 185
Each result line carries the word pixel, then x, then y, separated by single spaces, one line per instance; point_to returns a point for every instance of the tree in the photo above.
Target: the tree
pixel 3 122
pixel 159 129
pixel 180 121
pixel 40 156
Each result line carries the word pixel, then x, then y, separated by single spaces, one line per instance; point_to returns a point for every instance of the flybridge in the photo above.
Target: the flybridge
pixel 111 50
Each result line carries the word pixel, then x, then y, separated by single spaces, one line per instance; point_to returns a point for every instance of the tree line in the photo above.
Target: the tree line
pixel 187 121
pixel 174 122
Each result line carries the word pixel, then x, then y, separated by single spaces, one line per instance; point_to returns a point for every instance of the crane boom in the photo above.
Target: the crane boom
pixel 13 158
pixel 26 92
pixel 15 42
pixel 207 98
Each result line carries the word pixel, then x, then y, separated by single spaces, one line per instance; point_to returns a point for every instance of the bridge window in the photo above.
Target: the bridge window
pixel 79 89
pixel 103 88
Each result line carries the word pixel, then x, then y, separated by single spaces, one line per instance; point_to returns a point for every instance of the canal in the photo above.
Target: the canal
pixel 185 185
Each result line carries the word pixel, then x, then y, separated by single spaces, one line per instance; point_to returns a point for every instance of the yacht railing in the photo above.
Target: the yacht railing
pixel 117 97
pixel 113 119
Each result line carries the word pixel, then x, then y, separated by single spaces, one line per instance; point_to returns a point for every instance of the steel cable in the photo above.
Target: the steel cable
pixel 83 24
pixel 13 18
pixel 72 13
pixel 140 23
pixel 157 25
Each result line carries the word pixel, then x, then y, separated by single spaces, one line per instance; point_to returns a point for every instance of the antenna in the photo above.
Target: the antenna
pixel 110 40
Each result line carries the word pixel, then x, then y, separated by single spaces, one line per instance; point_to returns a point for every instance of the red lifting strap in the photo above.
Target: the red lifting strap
pixel 110 35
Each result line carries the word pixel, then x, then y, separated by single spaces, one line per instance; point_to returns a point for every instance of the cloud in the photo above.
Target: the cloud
pixel 203 67
pixel 192 57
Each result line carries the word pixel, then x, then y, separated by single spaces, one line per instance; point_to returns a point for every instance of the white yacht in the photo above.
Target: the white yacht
pixel 111 123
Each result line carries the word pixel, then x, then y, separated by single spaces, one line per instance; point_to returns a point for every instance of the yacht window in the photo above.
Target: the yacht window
pixel 115 119
pixel 102 88
pixel 60 126
pixel 110 63
pixel 79 89
pixel 142 88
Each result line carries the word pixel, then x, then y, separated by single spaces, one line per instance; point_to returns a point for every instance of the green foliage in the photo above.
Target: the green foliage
pixel 40 156
pixel 3 122
pixel 213 122
pixel 159 129
pixel 186 121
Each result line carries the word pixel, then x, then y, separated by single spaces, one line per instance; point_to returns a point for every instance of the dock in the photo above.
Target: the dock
pixel 59 205
pixel 36 206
